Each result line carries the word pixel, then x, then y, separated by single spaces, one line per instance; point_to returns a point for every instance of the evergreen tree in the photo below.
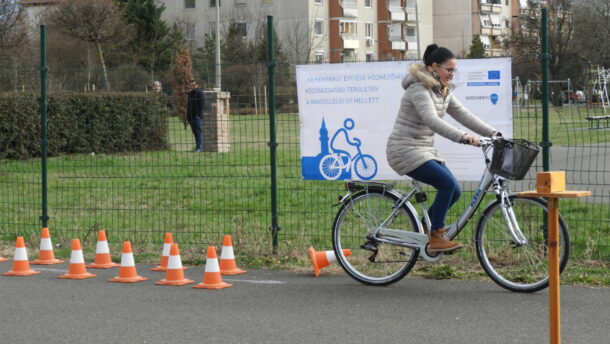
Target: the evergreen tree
pixel 154 41
pixel 477 49
pixel 181 76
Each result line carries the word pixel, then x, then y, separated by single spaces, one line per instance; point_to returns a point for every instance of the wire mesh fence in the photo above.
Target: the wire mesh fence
pixel 138 195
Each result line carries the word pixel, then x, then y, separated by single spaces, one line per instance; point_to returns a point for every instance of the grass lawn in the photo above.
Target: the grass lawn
pixel 199 197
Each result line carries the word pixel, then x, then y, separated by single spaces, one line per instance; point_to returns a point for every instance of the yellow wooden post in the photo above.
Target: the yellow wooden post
pixel 551 185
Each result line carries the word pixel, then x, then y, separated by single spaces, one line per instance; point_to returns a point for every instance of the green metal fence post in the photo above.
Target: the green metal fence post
pixel 44 142
pixel 272 131
pixel 545 57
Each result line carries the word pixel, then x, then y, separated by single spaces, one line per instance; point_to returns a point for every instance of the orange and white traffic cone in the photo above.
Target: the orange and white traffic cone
pixel 167 244
pixel 211 277
pixel 175 273
pixel 77 269
pixel 127 271
pixel 228 266
pixel 322 259
pixel 21 265
pixel 102 254
pixel 45 253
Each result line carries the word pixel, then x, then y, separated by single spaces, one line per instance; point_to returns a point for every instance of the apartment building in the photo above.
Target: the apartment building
pixel 317 30
pixel 457 21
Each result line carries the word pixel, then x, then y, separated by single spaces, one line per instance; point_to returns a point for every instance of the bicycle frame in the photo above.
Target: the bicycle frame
pixel 419 240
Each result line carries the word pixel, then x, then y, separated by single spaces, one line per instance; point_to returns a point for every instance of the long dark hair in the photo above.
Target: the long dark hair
pixel 436 54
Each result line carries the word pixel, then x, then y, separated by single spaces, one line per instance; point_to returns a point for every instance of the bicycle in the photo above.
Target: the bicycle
pixel 386 236
pixel 332 165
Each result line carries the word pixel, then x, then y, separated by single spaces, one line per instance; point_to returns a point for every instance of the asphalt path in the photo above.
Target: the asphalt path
pixel 286 307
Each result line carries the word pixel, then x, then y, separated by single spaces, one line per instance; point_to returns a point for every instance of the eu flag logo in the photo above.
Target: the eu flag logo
pixel 493 75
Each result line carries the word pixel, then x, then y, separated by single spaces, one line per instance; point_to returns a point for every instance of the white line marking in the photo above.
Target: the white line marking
pixel 37 268
pixel 254 281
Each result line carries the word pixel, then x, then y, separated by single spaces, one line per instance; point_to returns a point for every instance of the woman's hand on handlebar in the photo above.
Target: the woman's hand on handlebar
pixel 470 140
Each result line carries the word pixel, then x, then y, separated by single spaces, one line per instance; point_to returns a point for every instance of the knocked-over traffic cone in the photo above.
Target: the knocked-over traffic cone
pixel 102 253
pixel 127 271
pixel 167 243
pixel 45 253
pixel 228 266
pixel 211 276
pixel 175 273
pixel 21 265
pixel 77 269
pixel 322 259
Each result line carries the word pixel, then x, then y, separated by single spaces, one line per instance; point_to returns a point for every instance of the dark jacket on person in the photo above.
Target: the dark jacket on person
pixel 195 105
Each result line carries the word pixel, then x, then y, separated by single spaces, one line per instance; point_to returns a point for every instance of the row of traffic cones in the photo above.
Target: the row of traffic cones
pixel 172 264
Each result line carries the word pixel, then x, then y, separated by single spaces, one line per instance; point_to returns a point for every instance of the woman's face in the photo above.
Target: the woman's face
pixel 446 70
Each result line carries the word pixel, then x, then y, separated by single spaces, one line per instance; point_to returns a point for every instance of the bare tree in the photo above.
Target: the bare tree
pixel 592 31
pixel 12 30
pixel 525 41
pixel 299 40
pixel 93 21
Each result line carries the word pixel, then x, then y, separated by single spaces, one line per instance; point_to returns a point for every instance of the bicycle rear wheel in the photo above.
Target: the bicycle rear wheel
pixel 518 268
pixel 372 262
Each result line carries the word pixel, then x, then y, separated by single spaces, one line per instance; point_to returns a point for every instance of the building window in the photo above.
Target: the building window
pixel 410 32
pixel 213 3
pixel 240 2
pixel 320 57
pixel 189 31
pixel 485 41
pixel 348 28
pixel 368 3
pixel 370 57
pixel 506 2
pixel 189 3
pixel 507 23
pixel 242 28
pixel 368 30
pixel 485 21
pixel 495 20
pixel 318 2
pixel 318 28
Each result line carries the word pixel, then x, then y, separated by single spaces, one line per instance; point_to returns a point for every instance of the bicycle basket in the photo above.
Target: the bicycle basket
pixel 512 159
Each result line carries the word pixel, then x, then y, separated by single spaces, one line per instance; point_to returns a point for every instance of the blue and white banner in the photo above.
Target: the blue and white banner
pixel 347 112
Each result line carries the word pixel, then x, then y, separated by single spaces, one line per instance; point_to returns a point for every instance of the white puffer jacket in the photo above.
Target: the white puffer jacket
pixel 421 113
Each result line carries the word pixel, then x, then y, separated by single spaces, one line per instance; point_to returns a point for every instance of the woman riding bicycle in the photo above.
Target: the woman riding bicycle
pixel 410 150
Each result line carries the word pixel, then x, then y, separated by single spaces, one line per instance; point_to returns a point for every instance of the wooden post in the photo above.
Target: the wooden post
pixel 551 185
pixel 554 289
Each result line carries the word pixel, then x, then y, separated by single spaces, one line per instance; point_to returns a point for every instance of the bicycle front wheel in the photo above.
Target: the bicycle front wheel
pixel 372 262
pixel 519 268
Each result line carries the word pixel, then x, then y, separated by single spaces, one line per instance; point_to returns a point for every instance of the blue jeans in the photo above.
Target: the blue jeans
pixel 197 132
pixel 438 175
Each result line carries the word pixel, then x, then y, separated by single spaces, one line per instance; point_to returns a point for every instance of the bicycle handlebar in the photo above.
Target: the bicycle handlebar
pixel 483 141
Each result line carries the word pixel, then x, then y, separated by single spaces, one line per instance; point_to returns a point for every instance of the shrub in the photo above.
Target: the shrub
pixel 83 123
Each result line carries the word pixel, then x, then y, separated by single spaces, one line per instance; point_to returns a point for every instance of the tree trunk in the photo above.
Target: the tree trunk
pixel 101 56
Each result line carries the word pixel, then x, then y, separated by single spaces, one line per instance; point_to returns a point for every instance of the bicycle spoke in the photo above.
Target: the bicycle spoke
pixel 372 262
pixel 517 267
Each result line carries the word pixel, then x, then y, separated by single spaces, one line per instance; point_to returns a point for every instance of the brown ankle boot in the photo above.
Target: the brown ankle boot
pixel 438 243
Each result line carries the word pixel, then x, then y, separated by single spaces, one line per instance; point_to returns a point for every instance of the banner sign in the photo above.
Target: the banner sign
pixel 347 112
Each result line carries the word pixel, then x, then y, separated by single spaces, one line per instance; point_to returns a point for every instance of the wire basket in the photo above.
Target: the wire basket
pixel 513 158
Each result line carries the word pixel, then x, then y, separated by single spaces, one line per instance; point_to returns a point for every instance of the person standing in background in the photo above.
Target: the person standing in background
pixel 194 114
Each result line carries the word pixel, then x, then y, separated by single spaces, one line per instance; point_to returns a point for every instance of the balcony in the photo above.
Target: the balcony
pixel 350 8
pixel 491 8
pixel 350 41
pixel 397 12
pixel 398 43
pixel 411 15
pixel 411 44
